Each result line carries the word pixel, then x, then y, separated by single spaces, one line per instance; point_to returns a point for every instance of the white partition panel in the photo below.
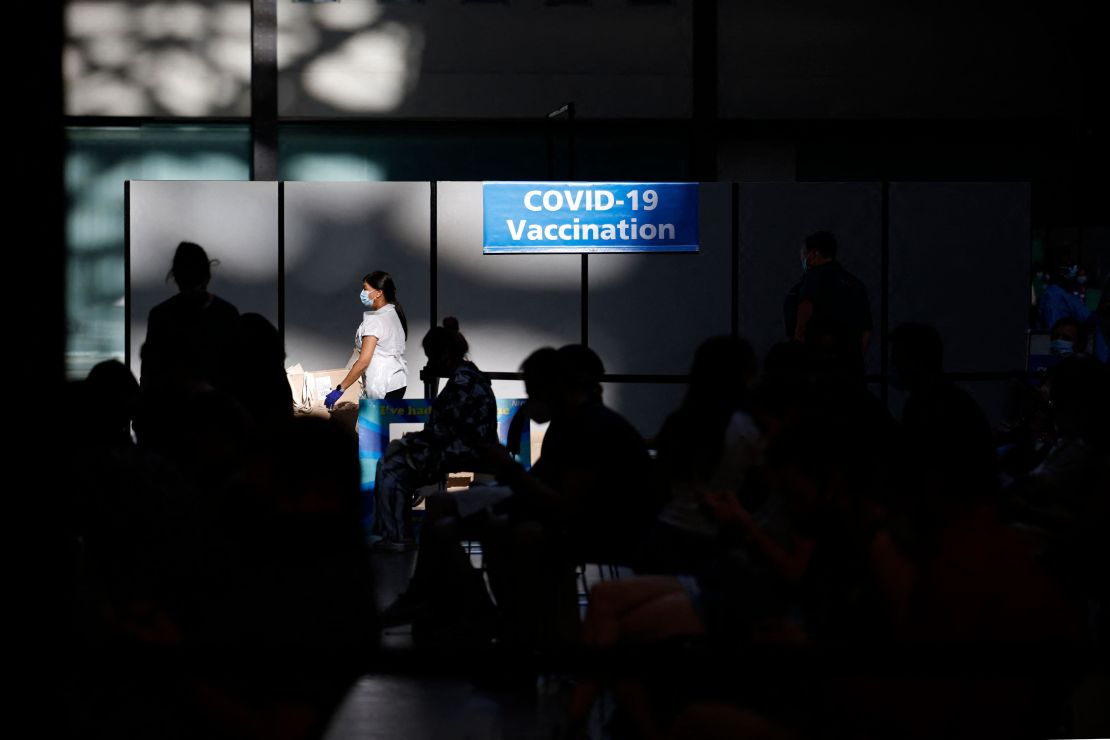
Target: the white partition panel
pixel 507 304
pixel 775 218
pixel 959 260
pixel 235 222
pixel 649 312
pixel 336 233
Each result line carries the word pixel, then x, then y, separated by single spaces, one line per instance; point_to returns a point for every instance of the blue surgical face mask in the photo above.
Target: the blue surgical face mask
pixel 805 263
pixel 1061 347
pixel 1081 279
pixel 1072 271
pixel 364 296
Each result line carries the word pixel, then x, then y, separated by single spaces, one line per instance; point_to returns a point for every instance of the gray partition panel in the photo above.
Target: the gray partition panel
pixel 507 304
pixel 649 312
pixel 235 222
pixel 774 221
pixel 337 232
pixel 645 405
pixel 959 260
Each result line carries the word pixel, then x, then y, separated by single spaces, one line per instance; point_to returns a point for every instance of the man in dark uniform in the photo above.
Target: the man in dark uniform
pixel 828 297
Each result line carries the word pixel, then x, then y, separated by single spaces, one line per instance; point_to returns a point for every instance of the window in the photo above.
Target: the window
pixel 98 161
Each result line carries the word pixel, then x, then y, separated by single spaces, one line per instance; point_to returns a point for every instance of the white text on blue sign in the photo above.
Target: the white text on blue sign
pixel 573 217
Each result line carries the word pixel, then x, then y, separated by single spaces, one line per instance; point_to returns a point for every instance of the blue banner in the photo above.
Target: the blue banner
pixel 375 416
pixel 590 217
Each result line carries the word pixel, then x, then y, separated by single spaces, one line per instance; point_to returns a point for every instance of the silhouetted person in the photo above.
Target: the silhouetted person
pixel 189 335
pixel 917 360
pixel 188 345
pixel 821 468
pixel 709 442
pixel 971 581
pixel 593 477
pixel 916 357
pixel 113 397
pixel 1103 308
pixel 102 453
pixel 463 418
pixel 1066 494
pixel 590 497
pixel 917 363
pixel 829 294
pixel 257 371
pixel 235 598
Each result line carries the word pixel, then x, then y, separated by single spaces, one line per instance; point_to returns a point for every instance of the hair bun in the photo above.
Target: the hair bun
pixel 451 323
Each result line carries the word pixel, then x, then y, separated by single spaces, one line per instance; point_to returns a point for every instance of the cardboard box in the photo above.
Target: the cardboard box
pixel 310 388
pixel 319 383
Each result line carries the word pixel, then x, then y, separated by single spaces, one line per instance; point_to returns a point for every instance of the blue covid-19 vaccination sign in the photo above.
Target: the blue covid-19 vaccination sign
pixel 570 217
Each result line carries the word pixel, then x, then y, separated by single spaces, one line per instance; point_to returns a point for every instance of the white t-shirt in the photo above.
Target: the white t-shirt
pixel 739 454
pixel 388 370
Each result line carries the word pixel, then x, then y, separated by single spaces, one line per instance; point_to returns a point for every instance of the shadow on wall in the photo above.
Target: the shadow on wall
pixel 193 57
pixel 347 57
pixel 157 58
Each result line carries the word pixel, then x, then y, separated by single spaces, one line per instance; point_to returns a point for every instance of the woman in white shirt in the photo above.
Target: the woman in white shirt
pixel 380 343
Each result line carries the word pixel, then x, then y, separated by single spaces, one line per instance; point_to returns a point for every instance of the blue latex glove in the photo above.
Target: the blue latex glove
pixel 331 398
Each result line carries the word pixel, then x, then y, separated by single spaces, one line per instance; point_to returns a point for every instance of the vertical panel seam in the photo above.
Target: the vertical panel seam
pixel 281 261
pixel 734 277
pixel 585 289
pixel 127 311
pixel 884 291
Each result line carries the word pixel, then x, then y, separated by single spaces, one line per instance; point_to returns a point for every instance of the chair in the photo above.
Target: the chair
pixel 582 573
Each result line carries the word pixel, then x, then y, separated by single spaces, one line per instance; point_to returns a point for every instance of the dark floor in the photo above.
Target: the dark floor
pixel 452 706
pixel 449 707
pixel 407 707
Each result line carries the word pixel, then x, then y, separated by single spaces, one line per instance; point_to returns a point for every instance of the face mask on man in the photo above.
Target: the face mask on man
pixel 1061 347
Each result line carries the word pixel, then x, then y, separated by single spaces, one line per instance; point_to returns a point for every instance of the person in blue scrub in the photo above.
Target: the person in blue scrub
pixel 1059 302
